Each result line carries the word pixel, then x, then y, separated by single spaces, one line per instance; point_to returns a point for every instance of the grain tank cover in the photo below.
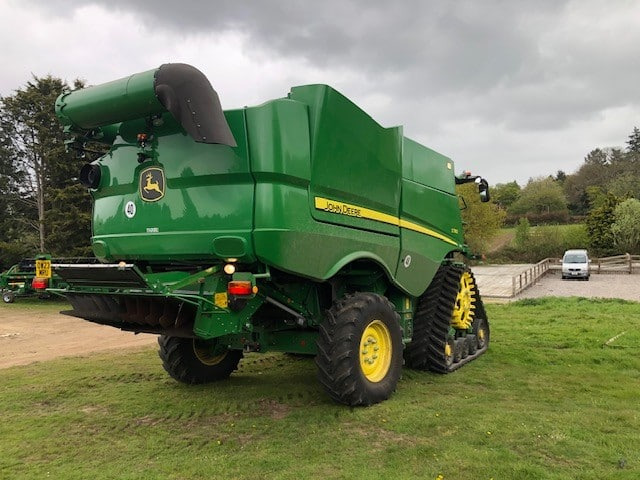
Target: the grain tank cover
pixel 181 89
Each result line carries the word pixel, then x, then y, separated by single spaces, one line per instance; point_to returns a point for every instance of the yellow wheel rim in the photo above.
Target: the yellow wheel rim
pixel 448 351
pixel 375 351
pixel 206 354
pixel 464 306
pixel 482 336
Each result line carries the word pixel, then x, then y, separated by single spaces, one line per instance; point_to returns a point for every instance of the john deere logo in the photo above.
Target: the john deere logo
pixel 151 184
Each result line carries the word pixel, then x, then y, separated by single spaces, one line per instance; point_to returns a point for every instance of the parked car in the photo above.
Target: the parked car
pixel 575 264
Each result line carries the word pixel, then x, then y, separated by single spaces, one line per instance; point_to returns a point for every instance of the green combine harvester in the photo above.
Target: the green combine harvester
pixel 299 225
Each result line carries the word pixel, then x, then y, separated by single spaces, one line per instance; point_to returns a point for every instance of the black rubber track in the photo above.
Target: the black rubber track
pixel 338 344
pixel 180 361
pixel 416 352
pixel 432 322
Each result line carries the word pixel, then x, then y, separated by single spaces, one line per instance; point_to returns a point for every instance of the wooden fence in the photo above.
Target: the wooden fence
pixel 529 276
pixel 619 263
pixel 616 264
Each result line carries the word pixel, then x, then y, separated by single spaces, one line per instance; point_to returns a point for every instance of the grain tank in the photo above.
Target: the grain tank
pixel 299 225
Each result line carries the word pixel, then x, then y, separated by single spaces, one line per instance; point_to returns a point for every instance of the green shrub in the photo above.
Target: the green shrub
pixel 538 243
pixel 523 232
pixel 545 218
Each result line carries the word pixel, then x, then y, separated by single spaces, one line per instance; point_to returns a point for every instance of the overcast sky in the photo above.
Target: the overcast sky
pixel 508 89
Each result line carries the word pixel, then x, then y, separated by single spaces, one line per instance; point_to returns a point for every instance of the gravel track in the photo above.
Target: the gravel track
pixel 624 286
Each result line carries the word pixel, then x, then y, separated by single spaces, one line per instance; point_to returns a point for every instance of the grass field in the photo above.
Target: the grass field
pixel 507 235
pixel 548 401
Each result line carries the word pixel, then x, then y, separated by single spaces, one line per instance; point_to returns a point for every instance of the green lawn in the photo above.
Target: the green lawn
pixel 547 401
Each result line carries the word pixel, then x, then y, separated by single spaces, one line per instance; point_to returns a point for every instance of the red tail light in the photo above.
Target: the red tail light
pixel 240 288
pixel 39 283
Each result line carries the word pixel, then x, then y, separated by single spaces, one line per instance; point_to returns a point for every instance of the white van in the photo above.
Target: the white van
pixel 575 264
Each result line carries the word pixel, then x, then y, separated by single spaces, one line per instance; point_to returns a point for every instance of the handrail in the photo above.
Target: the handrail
pixel 529 276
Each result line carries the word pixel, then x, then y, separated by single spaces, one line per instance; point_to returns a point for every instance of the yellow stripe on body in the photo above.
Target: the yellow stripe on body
pixel 419 228
pixel 349 210
pixel 341 208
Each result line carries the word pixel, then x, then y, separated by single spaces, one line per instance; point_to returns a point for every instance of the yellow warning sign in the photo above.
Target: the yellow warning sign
pixel 43 268
pixel 221 300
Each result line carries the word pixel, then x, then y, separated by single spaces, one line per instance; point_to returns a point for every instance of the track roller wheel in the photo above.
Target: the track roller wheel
pixel 464 347
pixel 193 361
pixel 449 352
pixel 472 344
pixel 481 331
pixel 459 354
pixel 360 350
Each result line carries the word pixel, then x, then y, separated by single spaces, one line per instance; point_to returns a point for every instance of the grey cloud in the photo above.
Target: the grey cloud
pixel 438 45
pixel 520 66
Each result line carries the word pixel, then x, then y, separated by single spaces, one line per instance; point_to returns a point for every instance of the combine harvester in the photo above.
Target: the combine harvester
pixel 299 225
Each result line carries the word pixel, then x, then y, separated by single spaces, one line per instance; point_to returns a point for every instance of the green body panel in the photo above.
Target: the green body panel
pixel 286 234
pixel 353 159
pixel 315 191
pixel 430 201
pixel 207 208
pixel 427 167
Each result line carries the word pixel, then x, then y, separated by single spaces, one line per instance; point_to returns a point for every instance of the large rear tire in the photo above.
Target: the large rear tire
pixel 194 361
pixel 360 350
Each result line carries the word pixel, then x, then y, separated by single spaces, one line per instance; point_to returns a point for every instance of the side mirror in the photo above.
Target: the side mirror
pixel 483 189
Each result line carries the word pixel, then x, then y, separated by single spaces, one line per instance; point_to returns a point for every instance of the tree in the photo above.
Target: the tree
pixel 626 226
pixel 523 232
pixel 15 239
pixel 625 185
pixel 542 195
pixel 599 221
pixel 595 171
pixel 505 194
pixel 612 169
pixel 34 156
pixel 633 144
pixel 482 219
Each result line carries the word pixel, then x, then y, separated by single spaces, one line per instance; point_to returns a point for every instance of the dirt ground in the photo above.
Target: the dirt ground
pixel 31 336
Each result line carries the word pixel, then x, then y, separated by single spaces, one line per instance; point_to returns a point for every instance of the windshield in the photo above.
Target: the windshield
pixel 575 258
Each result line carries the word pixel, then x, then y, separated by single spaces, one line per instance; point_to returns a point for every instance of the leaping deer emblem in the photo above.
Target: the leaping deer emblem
pixel 151 186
